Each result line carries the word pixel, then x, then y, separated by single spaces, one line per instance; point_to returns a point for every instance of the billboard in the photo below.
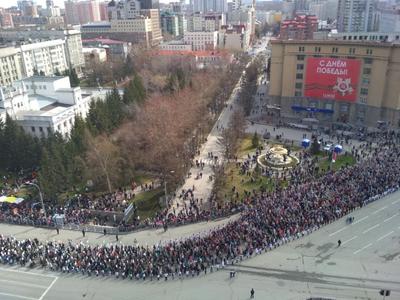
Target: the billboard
pixel 332 78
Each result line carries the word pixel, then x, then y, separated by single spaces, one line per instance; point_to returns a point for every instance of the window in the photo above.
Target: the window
pixel 300 67
pixel 367 71
pixel 301 49
pixel 328 105
pixel 300 57
pixel 299 85
pixel 297 94
pixel 317 49
pixel 344 108
pixel 41 129
pixel 335 50
pixel 299 76
pixel 365 81
pixel 367 60
pixel 364 91
pixel 33 129
pixel 352 50
pixel 369 51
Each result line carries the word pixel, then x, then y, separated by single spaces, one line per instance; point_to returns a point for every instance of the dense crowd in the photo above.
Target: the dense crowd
pixel 268 219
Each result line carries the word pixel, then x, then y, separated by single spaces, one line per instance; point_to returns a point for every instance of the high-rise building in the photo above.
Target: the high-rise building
pixel 355 15
pixel 323 9
pixel 219 6
pixel 205 21
pixel 82 12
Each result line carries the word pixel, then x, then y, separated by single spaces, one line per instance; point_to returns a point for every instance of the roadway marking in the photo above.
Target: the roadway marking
pixel 386 220
pixel 382 237
pixel 397 201
pixel 345 242
pixel 382 208
pixel 362 219
pixel 48 288
pixel 340 230
pixel 29 273
pixel 24 283
pixel 363 248
pixel 17 296
pixel 369 229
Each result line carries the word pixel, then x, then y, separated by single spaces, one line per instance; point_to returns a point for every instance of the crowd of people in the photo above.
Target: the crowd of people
pixel 267 219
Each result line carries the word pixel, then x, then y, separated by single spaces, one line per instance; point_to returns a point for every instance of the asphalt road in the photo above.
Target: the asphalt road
pixel 367 261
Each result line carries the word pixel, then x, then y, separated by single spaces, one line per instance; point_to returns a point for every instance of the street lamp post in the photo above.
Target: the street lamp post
pixel 165 189
pixel 40 195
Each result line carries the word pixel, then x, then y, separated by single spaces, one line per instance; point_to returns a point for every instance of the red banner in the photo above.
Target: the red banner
pixel 332 78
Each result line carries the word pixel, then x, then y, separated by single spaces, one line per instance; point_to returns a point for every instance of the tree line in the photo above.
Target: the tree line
pixel 62 162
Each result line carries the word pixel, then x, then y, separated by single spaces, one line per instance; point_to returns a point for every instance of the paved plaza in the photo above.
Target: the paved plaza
pixel 314 266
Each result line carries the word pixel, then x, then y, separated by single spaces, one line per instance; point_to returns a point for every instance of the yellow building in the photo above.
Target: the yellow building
pixel 336 81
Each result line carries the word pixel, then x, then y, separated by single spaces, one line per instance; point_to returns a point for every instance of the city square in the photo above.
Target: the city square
pixel 200 150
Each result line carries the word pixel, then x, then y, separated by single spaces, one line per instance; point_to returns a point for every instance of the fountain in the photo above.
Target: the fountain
pixel 277 157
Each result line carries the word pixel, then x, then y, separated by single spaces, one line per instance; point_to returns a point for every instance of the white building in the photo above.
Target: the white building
pixel 10 65
pixel 205 21
pixel 175 46
pixel 72 38
pixel 234 37
pixel 389 20
pixel 389 37
pixel 44 57
pixel 44 104
pixel 201 40
pixel 94 55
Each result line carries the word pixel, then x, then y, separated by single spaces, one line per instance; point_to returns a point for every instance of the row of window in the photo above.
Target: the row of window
pixel 317 49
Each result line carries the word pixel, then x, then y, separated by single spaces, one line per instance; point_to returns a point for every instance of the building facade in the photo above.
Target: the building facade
pixel 72 38
pixel 302 27
pixel 44 58
pixel 355 15
pixel 42 105
pixel 10 65
pixel 82 12
pixel 219 6
pixel 201 40
pixel 115 49
pixel 336 81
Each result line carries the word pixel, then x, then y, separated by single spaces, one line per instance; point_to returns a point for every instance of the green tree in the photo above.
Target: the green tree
pixel 255 141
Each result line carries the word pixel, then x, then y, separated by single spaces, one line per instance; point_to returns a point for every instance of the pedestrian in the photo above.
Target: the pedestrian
pixel 252 294
pixel 339 242
pixel 58 230
pixel 104 231
pixel 83 232
pixel 116 237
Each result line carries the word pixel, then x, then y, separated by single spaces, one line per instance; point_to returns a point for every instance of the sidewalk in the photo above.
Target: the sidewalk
pixel 145 237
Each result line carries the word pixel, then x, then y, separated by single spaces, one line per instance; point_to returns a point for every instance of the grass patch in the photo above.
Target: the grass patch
pixel 344 160
pixel 148 203
pixel 246 145
pixel 242 183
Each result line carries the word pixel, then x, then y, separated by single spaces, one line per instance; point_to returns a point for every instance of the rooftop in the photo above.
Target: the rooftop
pixel 335 42
pixel 103 41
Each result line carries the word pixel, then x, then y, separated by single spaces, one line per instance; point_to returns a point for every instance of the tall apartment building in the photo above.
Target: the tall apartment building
pixel 6 20
pixel 336 81
pixel 82 12
pixel 170 23
pixel 205 21
pixel 219 6
pixel 323 9
pixel 44 57
pixel 72 38
pixel 10 65
pixel 301 27
pixel 355 15
pixel 389 19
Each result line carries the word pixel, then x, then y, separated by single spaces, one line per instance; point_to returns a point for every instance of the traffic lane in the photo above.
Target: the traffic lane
pixel 23 284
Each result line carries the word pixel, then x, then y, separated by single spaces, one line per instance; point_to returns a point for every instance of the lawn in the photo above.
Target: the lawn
pixel 242 182
pixel 341 161
pixel 148 203
pixel 246 145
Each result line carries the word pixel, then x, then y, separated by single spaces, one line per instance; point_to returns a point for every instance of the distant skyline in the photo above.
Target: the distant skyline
pixel 60 3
